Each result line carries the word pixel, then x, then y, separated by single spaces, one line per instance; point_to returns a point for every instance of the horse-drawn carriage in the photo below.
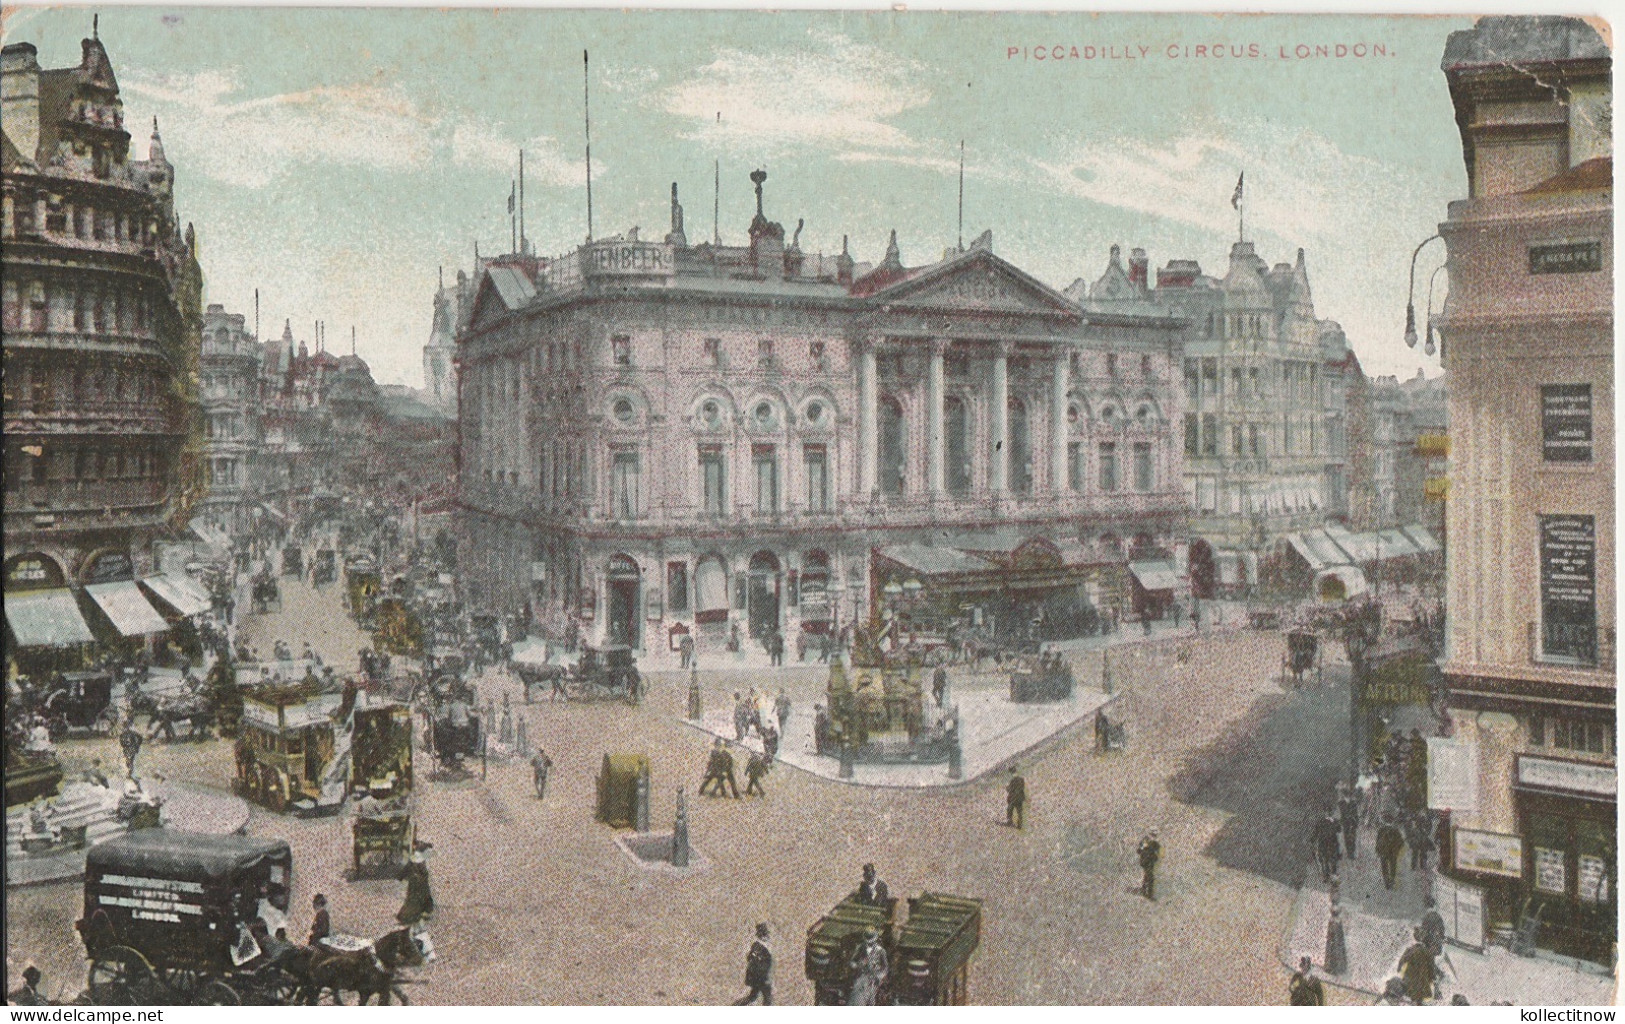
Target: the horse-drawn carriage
pixel 1048 681
pixel 381 773
pixel 289 754
pixel 929 956
pixel 164 917
pixel 265 594
pixel 455 729
pixel 533 662
pixel 604 673
pixel 81 701
pixel 325 570
pixel 293 560
pixel 1301 657
pixel 879 712
pixel 180 918
pixel 397 629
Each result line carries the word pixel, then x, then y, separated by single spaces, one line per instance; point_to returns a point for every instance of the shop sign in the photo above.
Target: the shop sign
pixel 109 566
pixel 1566 257
pixel 1551 872
pixel 629 259
pixel 1489 853
pixel 1568 587
pixel 1593 879
pixel 1452 775
pixel 26 572
pixel 1574 776
pixel 1462 907
pixel 1565 422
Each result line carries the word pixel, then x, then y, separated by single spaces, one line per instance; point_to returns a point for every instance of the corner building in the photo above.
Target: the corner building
pixel 104 451
pixel 1528 342
pixel 660 439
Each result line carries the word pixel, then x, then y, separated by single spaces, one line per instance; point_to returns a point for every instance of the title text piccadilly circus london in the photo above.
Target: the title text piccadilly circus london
pixel 1062 51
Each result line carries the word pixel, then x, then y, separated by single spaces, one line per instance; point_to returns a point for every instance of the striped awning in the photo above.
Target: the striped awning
pixel 46 618
pixel 180 593
pixel 127 607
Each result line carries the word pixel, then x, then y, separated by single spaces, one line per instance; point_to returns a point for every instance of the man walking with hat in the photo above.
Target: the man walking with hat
pixel 758 970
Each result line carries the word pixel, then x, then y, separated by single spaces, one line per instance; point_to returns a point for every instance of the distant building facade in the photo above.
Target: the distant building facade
pixel 440 354
pixel 1264 428
pixel 230 390
pixel 1528 341
pixel 101 317
pixel 660 439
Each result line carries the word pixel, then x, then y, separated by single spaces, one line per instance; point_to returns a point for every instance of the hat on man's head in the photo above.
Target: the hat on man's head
pixel 761 930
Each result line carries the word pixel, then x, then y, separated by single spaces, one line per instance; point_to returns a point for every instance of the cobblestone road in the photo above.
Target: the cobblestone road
pixel 535 905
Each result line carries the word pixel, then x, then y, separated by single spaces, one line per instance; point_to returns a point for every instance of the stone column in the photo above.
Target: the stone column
pixel 998 470
pixel 868 409
pixel 1057 422
pixel 933 410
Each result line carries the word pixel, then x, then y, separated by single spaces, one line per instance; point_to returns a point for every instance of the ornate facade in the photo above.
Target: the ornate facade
pixel 1264 425
pixel 102 316
pixel 230 390
pixel 660 438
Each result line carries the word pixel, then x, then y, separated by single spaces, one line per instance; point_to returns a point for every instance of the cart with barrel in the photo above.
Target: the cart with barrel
pixel 929 955
pixel 167 915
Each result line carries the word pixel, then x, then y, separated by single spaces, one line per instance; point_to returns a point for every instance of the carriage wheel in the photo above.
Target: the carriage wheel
pixel 218 993
pixel 120 976
pixel 182 982
pixel 276 987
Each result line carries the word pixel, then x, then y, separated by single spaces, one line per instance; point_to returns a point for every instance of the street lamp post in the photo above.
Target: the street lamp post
pixel 1410 299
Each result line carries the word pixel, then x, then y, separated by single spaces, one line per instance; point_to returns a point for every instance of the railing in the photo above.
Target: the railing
pixel 1597 655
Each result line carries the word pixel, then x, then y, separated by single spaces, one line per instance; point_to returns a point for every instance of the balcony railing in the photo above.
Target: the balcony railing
pixel 1596 656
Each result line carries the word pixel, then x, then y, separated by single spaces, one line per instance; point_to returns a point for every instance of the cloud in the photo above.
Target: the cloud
pixel 250 142
pixel 831 92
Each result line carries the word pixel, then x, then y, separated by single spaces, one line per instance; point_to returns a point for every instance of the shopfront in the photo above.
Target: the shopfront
pixel 1568 819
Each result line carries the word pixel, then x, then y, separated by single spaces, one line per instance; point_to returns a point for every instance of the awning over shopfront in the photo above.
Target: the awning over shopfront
pixel 1423 539
pixel 180 593
pixel 125 605
pixel 46 618
pixel 930 561
pixel 1157 575
pixel 1394 544
pixel 1318 549
pixel 1340 582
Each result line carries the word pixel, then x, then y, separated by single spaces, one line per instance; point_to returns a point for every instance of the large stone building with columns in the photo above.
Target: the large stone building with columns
pixel 660 439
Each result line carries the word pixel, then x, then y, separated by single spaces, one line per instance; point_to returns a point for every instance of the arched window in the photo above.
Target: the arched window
pixel 711 590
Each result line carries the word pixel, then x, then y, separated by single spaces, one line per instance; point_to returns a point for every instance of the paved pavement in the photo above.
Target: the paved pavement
pixel 537 905
pixel 1377 926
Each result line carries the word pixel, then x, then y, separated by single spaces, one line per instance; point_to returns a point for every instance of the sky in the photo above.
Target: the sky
pixel 335 159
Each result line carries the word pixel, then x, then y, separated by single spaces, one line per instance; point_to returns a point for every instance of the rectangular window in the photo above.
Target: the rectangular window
pixel 1108 466
pixel 1235 382
pixel 765 465
pixel 1191 380
pixel 677 586
pixel 42 467
pixel 815 460
pixel 1142 466
pixel 1210 376
pixel 1255 441
pixel 1256 381
pixel 713 478
pixel 1565 422
pixel 1237 440
pixel 1191 438
pixel 1074 465
pixel 713 352
pixel 624 485
pixel 1537 731
pixel 1210 434
pixel 1111 365
pixel 1145 366
pixel 815 351
pixel 764 352
pixel 1568 588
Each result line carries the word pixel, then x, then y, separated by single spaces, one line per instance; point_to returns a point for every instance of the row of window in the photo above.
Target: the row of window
pixel 1574 734
pixel 40 307
pixel 44 390
pixel 85 465
pixel 1300 382
pixel 1249 440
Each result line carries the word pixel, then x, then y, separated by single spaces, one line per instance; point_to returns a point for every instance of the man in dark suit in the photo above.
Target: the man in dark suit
pixel 1390 843
pixel 1348 810
pixel 719 771
pixel 1327 837
pixel 321 925
pixel 758 970
pixel 1015 800
pixel 872 890
pixel 1304 988
pixel 1150 852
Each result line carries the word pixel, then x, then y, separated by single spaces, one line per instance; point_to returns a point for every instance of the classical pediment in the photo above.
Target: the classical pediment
pixel 975 281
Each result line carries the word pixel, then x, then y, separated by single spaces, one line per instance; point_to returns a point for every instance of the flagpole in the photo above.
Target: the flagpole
pixel 586 117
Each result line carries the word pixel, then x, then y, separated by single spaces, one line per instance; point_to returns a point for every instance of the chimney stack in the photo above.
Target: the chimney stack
pixel 1139 268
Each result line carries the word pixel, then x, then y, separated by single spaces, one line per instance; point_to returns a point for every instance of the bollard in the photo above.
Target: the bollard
pixel 956 756
pixel 520 738
pixel 679 833
pixel 640 804
pixel 846 760
pixel 694 709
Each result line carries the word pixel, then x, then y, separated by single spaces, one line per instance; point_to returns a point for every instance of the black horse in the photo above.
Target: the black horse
pixel 367 972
